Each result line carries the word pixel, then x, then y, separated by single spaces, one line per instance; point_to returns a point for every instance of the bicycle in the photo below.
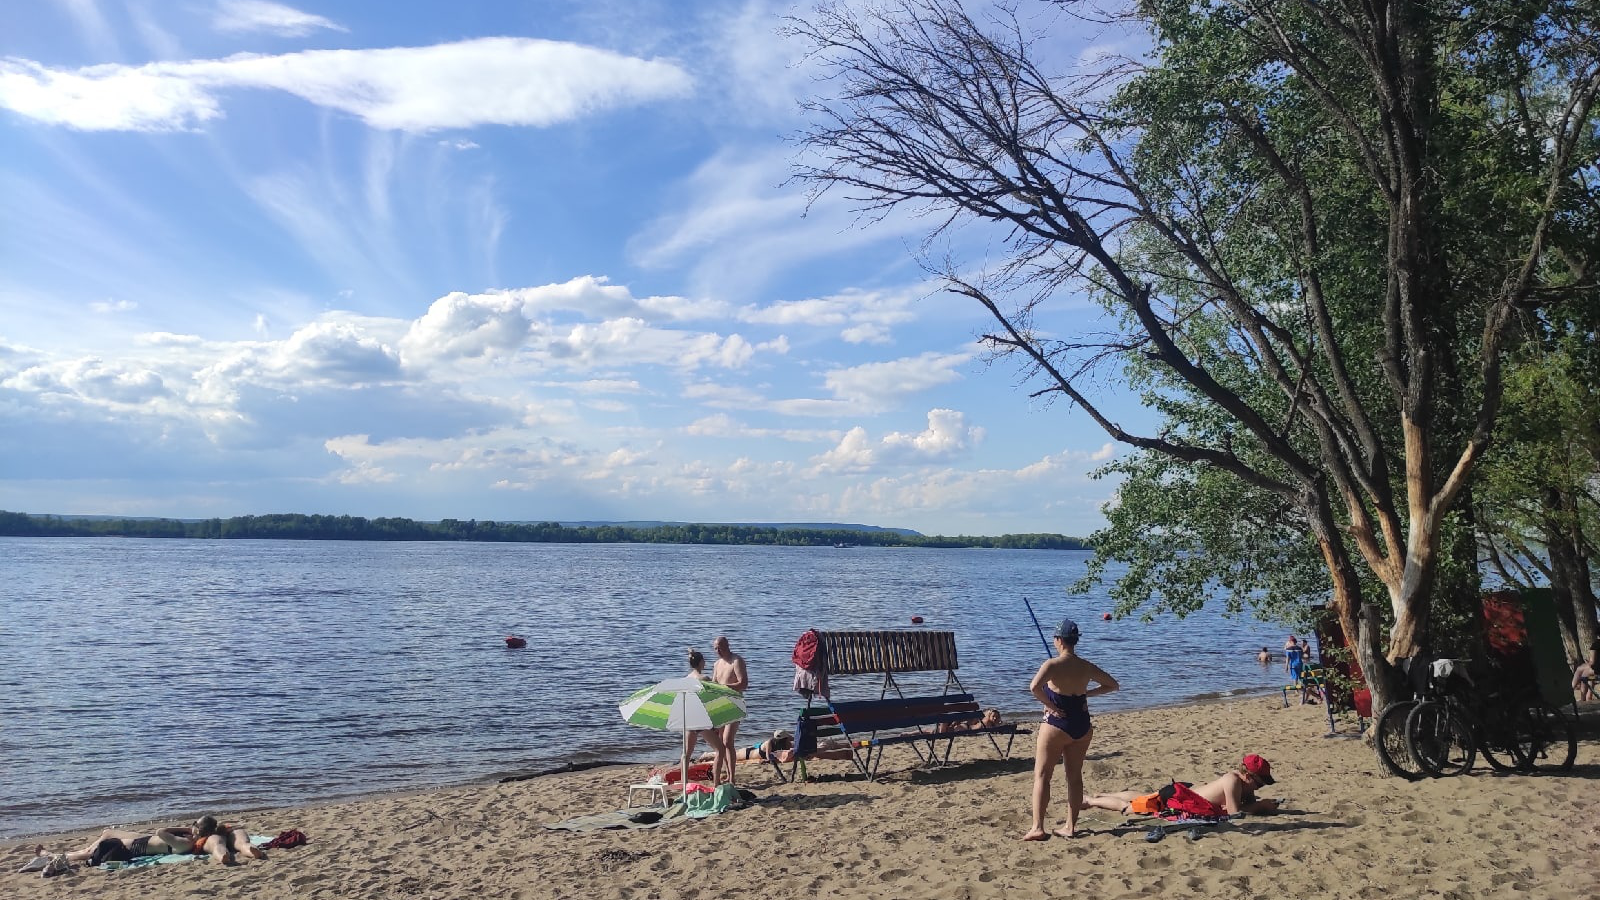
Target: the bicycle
pixel 1453 722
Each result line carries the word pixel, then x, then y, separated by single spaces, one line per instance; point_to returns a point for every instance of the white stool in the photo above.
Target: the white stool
pixel 656 793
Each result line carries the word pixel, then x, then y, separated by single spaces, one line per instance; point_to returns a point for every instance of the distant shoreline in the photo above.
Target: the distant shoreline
pixel 297 526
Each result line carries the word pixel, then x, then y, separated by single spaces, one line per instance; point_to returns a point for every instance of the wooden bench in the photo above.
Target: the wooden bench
pixel 867 727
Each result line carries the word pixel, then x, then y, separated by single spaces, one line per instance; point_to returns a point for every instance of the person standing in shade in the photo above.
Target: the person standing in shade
pixel 1062 686
pixel 730 672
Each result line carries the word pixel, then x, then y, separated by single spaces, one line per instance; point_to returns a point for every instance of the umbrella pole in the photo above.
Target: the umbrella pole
pixel 683 770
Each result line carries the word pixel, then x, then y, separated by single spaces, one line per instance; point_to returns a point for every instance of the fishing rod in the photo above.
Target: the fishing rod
pixel 1037 627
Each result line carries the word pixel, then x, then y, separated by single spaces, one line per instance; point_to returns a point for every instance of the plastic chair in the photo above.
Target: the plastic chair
pixel 655 790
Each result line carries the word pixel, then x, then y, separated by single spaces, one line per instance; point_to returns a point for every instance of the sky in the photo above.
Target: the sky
pixel 484 259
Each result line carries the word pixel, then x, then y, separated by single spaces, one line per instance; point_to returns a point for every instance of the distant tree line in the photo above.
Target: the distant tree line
pixel 296 526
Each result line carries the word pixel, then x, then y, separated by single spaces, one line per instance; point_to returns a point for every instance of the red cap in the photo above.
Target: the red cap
pixel 1259 767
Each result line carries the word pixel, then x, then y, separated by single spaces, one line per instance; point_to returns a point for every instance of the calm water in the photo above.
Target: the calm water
pixel 151 678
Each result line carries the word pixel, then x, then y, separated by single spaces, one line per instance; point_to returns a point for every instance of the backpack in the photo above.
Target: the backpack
pixel 1184 800
pixel 805 650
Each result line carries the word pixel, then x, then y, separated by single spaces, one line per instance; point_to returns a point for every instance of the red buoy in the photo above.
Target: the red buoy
pixel 515 643
pixel 1105 617
pixel 916 620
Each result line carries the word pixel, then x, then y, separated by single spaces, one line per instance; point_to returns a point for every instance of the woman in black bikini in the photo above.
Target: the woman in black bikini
pixel 1062 686
pixel 206 836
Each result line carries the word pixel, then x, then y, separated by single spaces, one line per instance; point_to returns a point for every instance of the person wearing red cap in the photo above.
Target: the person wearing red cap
pixel 1234 792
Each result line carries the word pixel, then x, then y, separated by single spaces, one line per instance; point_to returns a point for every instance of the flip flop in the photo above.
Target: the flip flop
pixel 1155 834
pixel 1194 833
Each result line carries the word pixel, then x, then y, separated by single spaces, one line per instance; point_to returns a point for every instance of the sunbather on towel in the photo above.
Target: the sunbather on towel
pixel 780 741
pixel 223 841
pixel 116 845
pixel 1235 792
pixel 991 719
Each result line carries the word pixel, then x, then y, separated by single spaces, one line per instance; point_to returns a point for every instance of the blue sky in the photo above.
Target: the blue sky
pixel 488 260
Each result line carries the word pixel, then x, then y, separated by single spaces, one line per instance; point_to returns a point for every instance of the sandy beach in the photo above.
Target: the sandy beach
pixel 1346 831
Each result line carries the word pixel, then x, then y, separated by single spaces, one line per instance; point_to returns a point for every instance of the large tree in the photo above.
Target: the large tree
pixel 1315 226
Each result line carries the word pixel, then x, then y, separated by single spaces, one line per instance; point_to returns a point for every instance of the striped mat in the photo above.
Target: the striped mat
pixel 861 652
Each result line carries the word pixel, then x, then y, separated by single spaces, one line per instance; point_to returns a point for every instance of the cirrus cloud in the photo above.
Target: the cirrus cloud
pixel 485 81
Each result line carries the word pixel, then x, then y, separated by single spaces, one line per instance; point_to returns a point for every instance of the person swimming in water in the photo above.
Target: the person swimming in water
pixel 1062 686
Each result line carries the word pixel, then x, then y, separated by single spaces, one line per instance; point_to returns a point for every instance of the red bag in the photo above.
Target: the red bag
pixel 1185 800
pixel 805 649
pixel 294 837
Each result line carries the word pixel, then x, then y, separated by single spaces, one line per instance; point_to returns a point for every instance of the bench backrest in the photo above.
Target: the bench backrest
pixel 879 652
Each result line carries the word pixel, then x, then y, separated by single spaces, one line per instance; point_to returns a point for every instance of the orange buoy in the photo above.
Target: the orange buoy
pixel 1105 617
pixel 515 643
pixel 916 620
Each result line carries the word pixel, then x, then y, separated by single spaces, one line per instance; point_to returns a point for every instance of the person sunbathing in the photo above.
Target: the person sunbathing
pixel 991 719
pixel 1234 792
pixel 779 744
pixel 206 836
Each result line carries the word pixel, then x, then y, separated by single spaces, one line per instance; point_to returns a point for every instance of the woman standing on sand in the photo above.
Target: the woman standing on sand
pixel 1062 685
pixel 713 736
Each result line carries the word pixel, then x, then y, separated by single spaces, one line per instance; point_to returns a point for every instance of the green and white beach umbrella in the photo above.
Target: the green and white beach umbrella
pixel 683 705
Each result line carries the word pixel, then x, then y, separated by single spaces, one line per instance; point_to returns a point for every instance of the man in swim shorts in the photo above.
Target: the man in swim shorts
pixel 1235 792
pixel 729 671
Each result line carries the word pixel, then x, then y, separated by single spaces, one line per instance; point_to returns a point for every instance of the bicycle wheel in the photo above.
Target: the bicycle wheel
pixel 1506 739
pixel 1553 738
pixel 1393 749
pixel 1440 740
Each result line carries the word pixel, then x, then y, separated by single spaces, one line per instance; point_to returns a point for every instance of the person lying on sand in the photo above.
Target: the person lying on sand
pixel 780 741
pixel 1235 792
pixel 206 836
pixel 991 719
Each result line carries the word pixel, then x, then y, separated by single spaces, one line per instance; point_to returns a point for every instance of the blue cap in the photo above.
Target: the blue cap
pixel 1067 629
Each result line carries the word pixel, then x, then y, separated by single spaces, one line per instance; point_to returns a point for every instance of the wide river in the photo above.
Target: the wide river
pixel 159 678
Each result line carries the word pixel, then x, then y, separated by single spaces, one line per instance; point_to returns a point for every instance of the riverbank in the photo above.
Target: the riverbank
pixel 1346 831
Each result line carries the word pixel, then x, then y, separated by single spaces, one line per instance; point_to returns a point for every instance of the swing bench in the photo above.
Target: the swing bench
pixel 868 727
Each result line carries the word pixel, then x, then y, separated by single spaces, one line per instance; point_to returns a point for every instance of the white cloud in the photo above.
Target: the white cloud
pixel 113 306
pixel 459 145
pixel 947 437
pixel 862 317
pixel 877 385
pixel 92 380
pixel 723 425
pixel 268 18
pixel 485 81
pixel 467 326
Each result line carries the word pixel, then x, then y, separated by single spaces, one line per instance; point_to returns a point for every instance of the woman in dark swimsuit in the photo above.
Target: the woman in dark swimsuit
pixel 1062 686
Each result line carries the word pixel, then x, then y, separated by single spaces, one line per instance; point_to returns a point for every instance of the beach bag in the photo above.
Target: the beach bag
pixel 805 650
pixel 1184 800
pixel 294 837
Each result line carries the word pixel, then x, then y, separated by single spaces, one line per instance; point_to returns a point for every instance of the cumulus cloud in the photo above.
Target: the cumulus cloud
pixel 877 385
pixel 485 81
pixel 947 437
pixel 92 380
pixel 862 317
pixel 268 18
pixel 467 326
